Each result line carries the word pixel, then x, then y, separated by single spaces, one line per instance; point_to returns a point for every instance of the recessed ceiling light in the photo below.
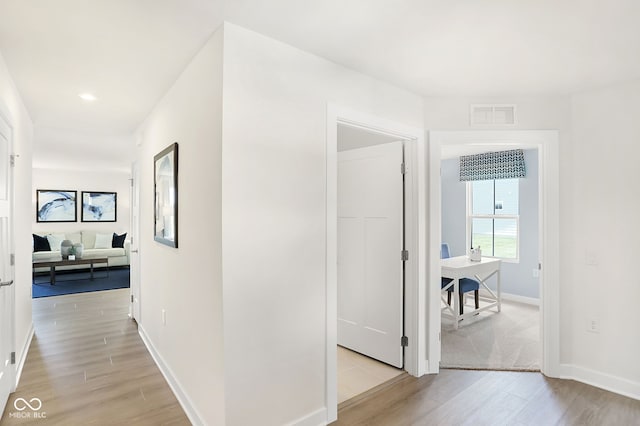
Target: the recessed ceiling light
pixel 87 97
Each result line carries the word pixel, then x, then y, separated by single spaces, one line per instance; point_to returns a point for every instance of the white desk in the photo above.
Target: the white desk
pixel 461 267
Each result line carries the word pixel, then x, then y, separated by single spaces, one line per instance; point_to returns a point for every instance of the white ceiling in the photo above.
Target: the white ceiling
pixel 128 53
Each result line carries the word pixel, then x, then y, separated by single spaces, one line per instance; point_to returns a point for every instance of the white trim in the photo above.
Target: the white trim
pixel 23 355
pixel 546 141
pixel 415 290
pixel 600 380
pixel 188 406
pixel 317 418
pixel 534 301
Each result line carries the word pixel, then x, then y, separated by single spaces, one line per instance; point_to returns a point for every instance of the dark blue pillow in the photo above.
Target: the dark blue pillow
pixel 40 243
pixel 118 240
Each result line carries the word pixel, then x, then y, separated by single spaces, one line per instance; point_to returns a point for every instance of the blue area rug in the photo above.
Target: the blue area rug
pixel 79 282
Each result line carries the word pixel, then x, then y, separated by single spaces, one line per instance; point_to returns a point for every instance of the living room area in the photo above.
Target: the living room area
pixel 81 195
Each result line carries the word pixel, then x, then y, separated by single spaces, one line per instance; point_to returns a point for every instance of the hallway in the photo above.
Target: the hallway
pixel 88 365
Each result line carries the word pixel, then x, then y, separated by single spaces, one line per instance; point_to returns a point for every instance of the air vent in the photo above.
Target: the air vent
pixel 492 115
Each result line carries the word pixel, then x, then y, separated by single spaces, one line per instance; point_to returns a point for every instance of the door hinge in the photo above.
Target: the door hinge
pixel 12 160
pixel 540 266
pixel 12 259
pixel 404 341
pixel 403 168
pixel 404 255
pixel 13 357
pixel 131 180
pixel 132 298
pixel 439 336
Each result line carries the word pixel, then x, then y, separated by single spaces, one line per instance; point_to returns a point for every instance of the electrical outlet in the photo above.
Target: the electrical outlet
pixel 164 317
pixel 593 326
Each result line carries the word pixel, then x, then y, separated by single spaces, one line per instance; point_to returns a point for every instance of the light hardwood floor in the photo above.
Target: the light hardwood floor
pixel 463 397
pixel 358 373
pixel 88 365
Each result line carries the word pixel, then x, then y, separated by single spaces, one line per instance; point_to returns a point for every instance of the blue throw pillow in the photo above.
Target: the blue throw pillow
pixel 40 243
pixel 118 240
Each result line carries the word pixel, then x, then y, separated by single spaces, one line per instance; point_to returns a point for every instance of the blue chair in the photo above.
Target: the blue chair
pixel 465 285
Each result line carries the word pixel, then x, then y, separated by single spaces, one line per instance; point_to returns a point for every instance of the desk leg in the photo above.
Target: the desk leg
pixel 456 302
pixel 52 275
pixel 91 269
pixel 499 296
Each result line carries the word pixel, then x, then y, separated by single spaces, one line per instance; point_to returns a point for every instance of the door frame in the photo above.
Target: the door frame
pixel 415 240
pixel 546 142
pixel 13 369
pixel 134 253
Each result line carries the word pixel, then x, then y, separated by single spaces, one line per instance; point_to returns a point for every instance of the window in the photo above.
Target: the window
pixel 493 217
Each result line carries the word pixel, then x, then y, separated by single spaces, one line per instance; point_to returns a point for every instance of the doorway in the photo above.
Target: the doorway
pixel 370 272
pixel 546 143
pixel 415 243
pixel 502 217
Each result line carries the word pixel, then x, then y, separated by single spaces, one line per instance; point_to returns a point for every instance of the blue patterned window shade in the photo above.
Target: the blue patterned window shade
pixel 493 165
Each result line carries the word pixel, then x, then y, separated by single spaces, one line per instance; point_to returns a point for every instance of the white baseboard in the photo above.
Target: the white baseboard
pixel 23 354
pixel 601 380
pixel 181 396
pixel 515 298
pixel 317 418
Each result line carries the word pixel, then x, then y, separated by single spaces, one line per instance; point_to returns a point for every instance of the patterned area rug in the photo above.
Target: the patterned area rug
pixel 79 282
pixel 509 340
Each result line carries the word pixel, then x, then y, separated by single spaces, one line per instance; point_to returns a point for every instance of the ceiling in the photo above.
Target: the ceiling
pixel 128 53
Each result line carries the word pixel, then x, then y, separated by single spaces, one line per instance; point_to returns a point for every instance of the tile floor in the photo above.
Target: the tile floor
pixel 358 373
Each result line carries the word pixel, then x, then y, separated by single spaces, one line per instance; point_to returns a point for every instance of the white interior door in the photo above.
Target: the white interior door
pixel 135 244
pixel 6 265
pixel 370 242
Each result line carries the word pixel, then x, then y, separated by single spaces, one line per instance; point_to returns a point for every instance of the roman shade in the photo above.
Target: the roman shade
pixel 493 165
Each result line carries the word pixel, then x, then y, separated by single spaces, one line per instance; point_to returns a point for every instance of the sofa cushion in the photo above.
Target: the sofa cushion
pixel 75 237
pixel 46 255
pixel 89 239
pixel 55 240
pixel 103 241
pixel 87 254
pixel 118 240
pixel 40 243
pixel 108 252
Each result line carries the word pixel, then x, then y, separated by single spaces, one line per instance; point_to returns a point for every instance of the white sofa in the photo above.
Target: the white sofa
pixel 116 256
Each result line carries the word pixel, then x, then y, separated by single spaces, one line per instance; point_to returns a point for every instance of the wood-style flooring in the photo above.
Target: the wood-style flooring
pixel 88 366
pixel 358 373
pixel 468 397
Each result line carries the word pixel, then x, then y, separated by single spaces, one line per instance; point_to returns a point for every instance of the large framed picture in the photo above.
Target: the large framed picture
pixel 99 206
pixel 56 205
pixel 165 183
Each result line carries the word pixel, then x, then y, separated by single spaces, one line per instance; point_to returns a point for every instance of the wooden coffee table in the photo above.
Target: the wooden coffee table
pixel 51 264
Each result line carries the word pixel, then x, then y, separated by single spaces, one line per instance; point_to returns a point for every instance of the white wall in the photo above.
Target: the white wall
pixel 275 101
pixel 599 200
pixel 12 108
pixel 73 149
pixel 606 194
pixel 187 281
pixel 517 278
pixel 78 180
pixel 533 113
